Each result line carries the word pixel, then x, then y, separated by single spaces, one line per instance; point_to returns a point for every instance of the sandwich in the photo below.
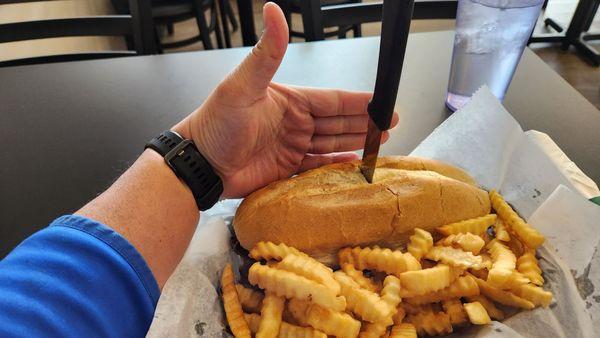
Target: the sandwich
pixel 325 209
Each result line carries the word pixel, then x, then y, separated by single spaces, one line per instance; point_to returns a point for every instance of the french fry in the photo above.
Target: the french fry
pixel 454 310
pixel 310 268
pixel 534 294
pixel 420 243
pixel 345 256
pixel 386 260
pixel 516 246
pixel 504 263
pixel 486 237
pixel 298 310
pixel 332 323
pixel 431 323
pixel 403 330
pixel 293 331
pixel 455 257
pixel 289 285
pixel 483 273
pixel 466 241
pixel 253 320
pixel 232 306
pixel 318 296
pixel 391 291
pixel 270 314
pixel 515 280
pixel 477 313
pixel 489 306
pixel 528 265
pixel 456 272
pixel 251 300
pixel 461 287
pixel 322 302
pixel 287 330
pixel 413 309
pixel 501 296
pixel 398 317
pixel 475 226
pixel 487 260
pixel 372 330
pixel 359 277
pixel 526 233
pixel 391 295
pixel 421 282
pixel 500 230
pixel 270 250
pixel 366 304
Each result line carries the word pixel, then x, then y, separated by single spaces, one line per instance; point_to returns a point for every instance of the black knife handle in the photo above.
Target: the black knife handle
pixel 394 34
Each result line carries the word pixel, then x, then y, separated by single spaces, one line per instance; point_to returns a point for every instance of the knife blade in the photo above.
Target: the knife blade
pixel 395 26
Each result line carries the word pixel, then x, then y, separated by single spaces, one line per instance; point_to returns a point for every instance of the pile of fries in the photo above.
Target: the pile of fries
pixel 378 292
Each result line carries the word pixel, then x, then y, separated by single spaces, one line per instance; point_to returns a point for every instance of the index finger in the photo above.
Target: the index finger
pixel 335 102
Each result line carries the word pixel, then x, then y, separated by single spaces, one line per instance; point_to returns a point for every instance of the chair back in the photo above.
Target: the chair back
pixel 316 18
pixel 136 27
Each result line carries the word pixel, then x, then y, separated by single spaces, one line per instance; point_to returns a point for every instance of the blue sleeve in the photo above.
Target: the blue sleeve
pixel 76 278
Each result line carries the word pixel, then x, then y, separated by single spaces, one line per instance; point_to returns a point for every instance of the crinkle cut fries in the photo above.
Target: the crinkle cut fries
pixel 433 289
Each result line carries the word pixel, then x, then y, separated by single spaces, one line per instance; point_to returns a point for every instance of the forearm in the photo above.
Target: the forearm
pixel 152 209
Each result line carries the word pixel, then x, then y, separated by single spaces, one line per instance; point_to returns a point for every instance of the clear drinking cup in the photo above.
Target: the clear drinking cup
pixel 490 38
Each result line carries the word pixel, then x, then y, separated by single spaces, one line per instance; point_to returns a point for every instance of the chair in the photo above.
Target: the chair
pixel 316 17
pixel 297 6
pixel 135 27
pixel 168 12
pixel 577 33
pixel 227 15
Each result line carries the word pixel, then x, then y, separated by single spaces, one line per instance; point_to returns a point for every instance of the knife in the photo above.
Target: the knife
pixel 394 34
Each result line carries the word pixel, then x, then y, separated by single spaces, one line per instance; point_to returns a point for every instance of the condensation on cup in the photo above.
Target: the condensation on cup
pixel 490 38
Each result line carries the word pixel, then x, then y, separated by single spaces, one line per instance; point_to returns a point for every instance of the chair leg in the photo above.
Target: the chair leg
pixel 222 11
pixel 170 29
pixel 342 32
pixel 214 17
pixel 159 47
pixel 129 43
pixel 357 31
pixel 231 16
pixel 202 25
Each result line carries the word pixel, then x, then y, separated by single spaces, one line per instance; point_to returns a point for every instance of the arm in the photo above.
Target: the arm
pixel 100 270
pixel 152 209
pixel 252 131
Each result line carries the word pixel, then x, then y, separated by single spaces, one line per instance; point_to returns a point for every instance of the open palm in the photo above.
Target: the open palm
pixel 254 131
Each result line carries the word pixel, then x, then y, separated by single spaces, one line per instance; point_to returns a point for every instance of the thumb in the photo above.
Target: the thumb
pixel 254 74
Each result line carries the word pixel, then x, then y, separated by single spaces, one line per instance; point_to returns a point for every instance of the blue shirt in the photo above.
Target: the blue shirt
pixel 76 278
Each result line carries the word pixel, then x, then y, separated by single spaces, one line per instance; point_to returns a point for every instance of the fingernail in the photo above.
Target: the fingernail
pixel 265 21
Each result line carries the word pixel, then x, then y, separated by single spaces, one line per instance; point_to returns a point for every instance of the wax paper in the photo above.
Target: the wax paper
pixel 528 168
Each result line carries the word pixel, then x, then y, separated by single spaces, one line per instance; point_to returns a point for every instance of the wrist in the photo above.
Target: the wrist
pixel 184 129
pixel 158 167
pixel 188 164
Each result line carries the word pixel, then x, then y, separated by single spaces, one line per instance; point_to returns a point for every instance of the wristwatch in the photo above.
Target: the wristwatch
pixel 189 165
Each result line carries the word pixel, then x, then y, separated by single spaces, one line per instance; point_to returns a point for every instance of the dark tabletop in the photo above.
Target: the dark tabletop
pixel 68 130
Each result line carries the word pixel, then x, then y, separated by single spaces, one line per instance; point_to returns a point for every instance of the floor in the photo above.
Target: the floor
pixel 581 75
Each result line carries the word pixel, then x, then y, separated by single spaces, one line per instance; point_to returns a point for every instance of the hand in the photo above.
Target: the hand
pixel 254 131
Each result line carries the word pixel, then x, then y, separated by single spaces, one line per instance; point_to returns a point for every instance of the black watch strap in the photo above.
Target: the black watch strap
pixel 189 165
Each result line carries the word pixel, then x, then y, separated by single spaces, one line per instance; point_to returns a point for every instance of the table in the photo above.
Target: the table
pixel 68 130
